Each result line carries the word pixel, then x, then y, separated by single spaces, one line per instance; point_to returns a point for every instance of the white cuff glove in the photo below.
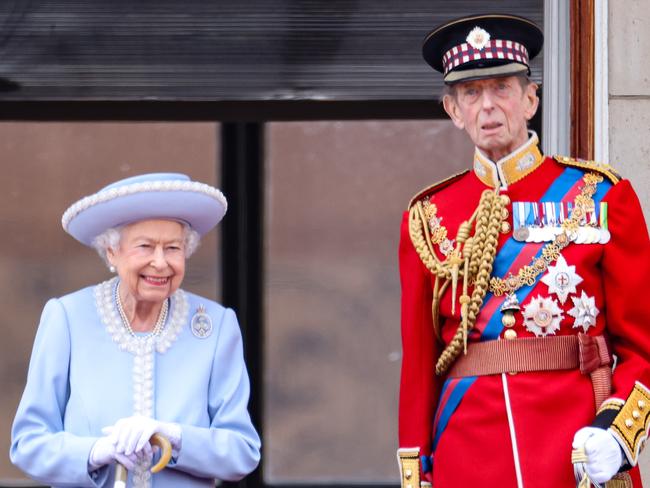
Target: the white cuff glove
pixel 132 434
pixel 604 456
pixel 103 452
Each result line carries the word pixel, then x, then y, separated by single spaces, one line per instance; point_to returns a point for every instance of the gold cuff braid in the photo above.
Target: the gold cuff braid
pixel 630 426
pixel 409 467
pixel 621 480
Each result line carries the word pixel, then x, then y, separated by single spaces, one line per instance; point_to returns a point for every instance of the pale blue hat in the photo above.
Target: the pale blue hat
pixel 143 197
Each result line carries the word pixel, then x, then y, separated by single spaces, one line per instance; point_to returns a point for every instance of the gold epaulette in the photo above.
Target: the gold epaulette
pixel 602 168
pixel 429 190
pixel 630 426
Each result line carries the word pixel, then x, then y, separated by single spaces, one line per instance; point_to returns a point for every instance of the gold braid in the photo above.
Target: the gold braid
pixel 481 258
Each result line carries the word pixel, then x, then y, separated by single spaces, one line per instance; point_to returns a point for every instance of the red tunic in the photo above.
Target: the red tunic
pixel 516 430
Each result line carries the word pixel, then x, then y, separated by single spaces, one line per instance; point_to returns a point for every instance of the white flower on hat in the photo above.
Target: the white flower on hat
pixel 478 38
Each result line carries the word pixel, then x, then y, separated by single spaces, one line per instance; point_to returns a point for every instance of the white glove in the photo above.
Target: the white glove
pixel 604 456
pixel 103 452
pixel 132 434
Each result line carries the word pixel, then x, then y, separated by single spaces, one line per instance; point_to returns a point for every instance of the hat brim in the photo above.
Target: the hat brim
pixel 201 210
pixel 509 69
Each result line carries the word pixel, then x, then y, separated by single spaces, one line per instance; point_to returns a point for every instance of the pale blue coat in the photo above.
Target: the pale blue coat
pixel 80 381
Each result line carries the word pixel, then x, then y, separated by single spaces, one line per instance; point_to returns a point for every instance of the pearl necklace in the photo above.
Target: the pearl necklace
pixel 160 323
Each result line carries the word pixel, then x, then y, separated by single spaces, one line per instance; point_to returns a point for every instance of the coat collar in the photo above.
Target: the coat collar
pixel 510 169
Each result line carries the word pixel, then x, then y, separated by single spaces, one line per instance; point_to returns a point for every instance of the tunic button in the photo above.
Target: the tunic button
pixel 641 404
pixel 629 423
pixel 408 473
pixel 636 414
pixel 510 334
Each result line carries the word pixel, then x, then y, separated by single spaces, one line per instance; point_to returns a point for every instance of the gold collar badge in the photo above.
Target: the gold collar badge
pixel 510 169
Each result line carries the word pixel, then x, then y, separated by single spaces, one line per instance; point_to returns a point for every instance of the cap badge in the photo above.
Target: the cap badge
pixel 478 38
pixel 201 324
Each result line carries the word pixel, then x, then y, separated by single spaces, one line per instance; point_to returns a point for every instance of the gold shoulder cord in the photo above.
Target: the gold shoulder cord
pixel 475 253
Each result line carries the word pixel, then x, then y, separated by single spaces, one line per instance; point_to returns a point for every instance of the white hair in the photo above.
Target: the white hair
pixel 111 237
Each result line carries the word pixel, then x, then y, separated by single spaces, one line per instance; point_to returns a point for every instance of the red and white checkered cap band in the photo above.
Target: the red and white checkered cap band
pixel 493 49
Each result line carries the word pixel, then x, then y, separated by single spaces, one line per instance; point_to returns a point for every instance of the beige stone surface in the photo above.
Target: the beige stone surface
pixel 629 144
pixel 629 87
pixel 335 194
pixel 644 464
pixel 629 35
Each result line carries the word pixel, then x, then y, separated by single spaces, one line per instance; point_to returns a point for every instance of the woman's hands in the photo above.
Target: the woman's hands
pixel 104 452
pixel 128 441
pixel 132 434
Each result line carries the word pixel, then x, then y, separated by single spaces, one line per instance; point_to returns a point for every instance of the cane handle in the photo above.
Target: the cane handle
pixel 165 455
pixel 165 452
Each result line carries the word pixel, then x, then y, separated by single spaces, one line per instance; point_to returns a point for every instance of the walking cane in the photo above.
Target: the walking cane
pixel 165 455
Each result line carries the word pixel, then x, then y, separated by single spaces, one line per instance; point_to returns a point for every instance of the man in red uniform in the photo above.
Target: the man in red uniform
pixel 525 331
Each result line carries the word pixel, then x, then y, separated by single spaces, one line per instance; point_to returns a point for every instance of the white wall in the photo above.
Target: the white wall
pixel 629 93
pixel 629 107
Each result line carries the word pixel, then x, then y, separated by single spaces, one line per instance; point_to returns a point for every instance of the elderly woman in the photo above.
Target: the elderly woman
pixel 115 363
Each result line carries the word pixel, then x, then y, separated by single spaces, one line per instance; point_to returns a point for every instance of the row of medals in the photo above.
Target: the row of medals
pixel 584 235
pixel 548 224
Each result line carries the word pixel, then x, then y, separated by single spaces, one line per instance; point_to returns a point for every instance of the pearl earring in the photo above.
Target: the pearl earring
pixel 112 269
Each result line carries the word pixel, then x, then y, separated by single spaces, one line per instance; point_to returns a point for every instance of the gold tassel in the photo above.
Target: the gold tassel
pixel 464 302
pixel 434 306
pixel 455 260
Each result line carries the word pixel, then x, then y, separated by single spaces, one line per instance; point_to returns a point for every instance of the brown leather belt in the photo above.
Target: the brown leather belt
pixel 587 353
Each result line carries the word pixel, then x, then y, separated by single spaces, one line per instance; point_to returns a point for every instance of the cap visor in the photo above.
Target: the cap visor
pixel 488 72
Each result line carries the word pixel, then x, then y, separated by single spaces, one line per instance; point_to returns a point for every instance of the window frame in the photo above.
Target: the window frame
pixel 242 167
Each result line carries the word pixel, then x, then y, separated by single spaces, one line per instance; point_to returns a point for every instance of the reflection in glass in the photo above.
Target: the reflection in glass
pixel 335 196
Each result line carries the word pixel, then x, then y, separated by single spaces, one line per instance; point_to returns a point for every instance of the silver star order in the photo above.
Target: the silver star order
pixel 542 316
pixel 584 311
pixel 562 279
